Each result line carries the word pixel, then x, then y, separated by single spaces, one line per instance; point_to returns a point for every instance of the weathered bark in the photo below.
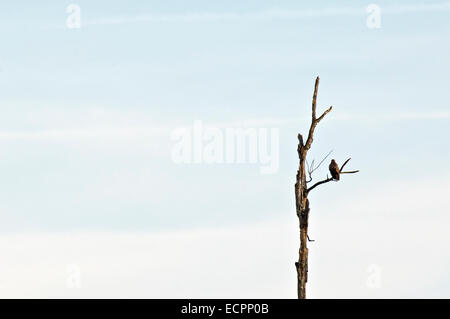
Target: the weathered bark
pixel 301 195
pixel 301 198
pixel 302 213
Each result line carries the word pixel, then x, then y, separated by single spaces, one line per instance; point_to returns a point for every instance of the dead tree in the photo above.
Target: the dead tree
pixel 302 191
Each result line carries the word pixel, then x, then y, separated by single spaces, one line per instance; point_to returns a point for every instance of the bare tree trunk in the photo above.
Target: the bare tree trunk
pixel 303 214
pixel 302 191
pixel 301 198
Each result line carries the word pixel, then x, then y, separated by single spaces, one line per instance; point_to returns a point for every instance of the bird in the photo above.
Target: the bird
pixel 334 170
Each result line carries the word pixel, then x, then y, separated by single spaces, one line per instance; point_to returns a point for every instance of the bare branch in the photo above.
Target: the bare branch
pixel 345 163
pixel 347 172
pixel 324 113
pixel 329 179
pixel 314 100
pixel 311 169
pixel 314 119
pixel 314 123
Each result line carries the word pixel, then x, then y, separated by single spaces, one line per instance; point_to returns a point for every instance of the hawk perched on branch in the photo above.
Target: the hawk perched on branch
pixel 334 170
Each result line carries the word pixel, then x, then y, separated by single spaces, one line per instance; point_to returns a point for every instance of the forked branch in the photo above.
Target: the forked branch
pixel 311 168
pixel 315 120
pixel 329 179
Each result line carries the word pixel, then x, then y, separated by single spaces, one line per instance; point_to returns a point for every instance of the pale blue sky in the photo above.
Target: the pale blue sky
pixel 72 100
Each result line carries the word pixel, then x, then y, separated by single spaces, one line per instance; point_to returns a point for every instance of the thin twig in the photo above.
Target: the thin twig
pixel 315 168
pixel 312 169
pixel 309 172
